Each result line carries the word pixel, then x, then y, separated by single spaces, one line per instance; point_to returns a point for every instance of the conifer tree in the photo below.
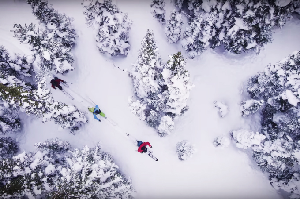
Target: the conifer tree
pixel 276 147
pixel 56 170
pixel 158 10
pixel 53 40
pixel 146 80
pixel 161 91
pixel 173 28
pixel 112 27
pixel 240 26
pixel 39 103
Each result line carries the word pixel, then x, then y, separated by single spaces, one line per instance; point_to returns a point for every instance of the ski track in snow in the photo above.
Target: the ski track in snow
pixel 211 172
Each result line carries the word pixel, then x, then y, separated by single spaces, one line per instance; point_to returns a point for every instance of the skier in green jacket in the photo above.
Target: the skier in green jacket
pixel 97 111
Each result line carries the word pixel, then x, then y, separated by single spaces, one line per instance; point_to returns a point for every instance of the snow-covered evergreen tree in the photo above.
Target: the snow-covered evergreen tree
pixel 17 91
pixel 177 84
pixel 8 147
pixel 249 107
pixel 238 25
pixel 54 39
pixel 14 71
pixel 173 28
pixel 158 10
pixel 146 72
pixel 56 170
pixel 91 173
pixel 278 153
pixel 221 142
pixel 197 35
pixel 39 103
pixel 112 26
pixel 185 150
pixel 161 91
pixel 222 107
pixel 146 80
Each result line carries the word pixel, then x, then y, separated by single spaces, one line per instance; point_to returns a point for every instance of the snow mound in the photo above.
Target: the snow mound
pixel 223 108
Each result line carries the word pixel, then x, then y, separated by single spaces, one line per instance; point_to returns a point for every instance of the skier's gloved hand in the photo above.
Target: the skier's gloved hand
pixel 150 146
pixel 99 120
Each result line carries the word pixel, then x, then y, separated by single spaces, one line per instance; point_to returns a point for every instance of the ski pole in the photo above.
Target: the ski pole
pixel 78 94
pixel 119 67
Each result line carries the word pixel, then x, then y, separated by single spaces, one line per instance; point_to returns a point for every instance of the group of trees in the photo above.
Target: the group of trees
pixel 239 26
pixel 52 40
pixel 56 170
pixel 20 92
pixel 275 96
pixel 161 90
pixel 112 27
pixel 23 79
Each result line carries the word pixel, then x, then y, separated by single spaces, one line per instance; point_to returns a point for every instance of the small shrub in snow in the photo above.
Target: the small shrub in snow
pixel 161 90
pixel 250 106
pixel 158 10
pixel 221 142
pixel 112 27
pixel 8 147
pixel 56 170
pixel 53 41
pixel 223 108
pixel 185 150
pixel 246 139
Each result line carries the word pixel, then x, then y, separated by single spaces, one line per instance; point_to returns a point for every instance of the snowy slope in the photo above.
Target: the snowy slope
pixel 211 172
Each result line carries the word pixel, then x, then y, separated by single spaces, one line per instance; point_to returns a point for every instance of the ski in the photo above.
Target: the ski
pixel 111 121
pixel 65 84
pixel 152 156
pixel 68 94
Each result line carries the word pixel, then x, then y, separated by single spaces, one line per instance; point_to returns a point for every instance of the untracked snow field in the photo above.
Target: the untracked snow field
pixel 227 173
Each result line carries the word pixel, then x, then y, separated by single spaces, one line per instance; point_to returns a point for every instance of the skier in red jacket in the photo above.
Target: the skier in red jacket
pixel 143 146
pixel 56 83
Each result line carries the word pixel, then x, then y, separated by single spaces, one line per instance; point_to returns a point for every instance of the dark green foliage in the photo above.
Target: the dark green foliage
pixel 8 147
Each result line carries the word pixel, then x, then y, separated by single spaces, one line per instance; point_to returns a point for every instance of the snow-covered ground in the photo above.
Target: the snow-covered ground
pixel 211 172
